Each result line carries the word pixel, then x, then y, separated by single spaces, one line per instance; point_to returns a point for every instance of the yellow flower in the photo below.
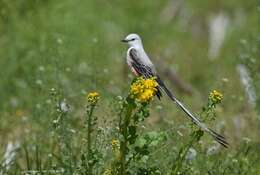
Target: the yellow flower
pixel 116 149
pixel 146 95
pixel 143 90
pixel 215 96
pixel 115 144
pixel 107 172
pixel 93 97
pixel 150 83
pixel 19 113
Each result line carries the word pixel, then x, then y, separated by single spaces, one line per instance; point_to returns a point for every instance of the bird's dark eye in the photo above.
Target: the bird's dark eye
pixel 132 39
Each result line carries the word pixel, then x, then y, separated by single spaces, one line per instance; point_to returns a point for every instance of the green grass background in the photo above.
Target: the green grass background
pixel 74 46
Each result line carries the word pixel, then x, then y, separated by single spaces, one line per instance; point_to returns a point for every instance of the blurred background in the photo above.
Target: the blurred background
pixel 74 46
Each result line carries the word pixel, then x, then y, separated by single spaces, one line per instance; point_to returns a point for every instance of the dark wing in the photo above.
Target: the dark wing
pixel 142 69
pixel 139 67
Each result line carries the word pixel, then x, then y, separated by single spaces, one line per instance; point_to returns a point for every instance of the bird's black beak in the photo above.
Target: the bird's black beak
pixel 124 40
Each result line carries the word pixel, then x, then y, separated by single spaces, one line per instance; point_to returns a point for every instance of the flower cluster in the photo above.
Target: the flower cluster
pixel 115 144
pixel 93 97
pixel 143 89
pixel 215 96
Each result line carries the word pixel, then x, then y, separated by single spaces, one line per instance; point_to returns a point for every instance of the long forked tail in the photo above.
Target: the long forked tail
pixel 219 138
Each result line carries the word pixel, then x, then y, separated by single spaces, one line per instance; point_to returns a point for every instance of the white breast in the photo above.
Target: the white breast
pixel 128 58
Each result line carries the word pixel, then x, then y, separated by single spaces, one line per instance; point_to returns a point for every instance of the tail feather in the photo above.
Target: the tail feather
pixel 219 138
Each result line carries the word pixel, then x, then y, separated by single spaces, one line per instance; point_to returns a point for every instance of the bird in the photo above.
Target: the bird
pixel 141 66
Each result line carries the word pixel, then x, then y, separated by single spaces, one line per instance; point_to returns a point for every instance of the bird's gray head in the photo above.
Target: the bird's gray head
pixel 133 40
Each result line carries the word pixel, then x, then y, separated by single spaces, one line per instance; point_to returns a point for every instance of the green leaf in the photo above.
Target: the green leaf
pixel 132 134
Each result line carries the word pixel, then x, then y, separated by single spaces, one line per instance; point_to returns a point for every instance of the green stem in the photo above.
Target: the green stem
pixel 89 140
pixel 123 144
pixel 183 152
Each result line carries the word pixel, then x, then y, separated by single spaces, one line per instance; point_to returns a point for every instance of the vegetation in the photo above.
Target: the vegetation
pixel 68 105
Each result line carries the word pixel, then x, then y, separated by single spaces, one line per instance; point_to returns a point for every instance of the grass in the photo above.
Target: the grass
pixel 58 51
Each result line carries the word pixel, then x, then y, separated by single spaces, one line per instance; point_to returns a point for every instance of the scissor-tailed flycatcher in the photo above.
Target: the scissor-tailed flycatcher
pixel 141 65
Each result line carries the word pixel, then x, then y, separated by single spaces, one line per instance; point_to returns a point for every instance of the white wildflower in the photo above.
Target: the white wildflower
pixel 42 68
pixel 64 106
pixel 213 149
pixel 9 155
pixel 247 83
pixel 192 153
